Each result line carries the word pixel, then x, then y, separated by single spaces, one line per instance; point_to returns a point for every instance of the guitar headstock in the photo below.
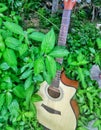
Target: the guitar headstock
pixel 69 4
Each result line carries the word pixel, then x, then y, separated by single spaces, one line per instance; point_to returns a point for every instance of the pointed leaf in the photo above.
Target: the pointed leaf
pixel 47 77
pixel 10 57
pixel 19 91
pixel 26 74
pixel 23 49
pixel 12 43
pixel 59 52
pixel 2 100
pixel 39 65
pixel 36 98
pixel 98 40
pixel 37 36
pixel 48 42
pixel 29 92
pixel 13 27
pixel 51 66
pixel 8 98
pixel 28 82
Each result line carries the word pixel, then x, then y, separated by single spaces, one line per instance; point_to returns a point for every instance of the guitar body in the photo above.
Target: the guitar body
pixel 58 113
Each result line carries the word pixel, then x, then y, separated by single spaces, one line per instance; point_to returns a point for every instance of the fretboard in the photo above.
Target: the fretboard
pixel 62 42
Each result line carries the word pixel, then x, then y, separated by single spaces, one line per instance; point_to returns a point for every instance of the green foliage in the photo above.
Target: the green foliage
pixel 27 59
pixel 23 66
pixel 84 51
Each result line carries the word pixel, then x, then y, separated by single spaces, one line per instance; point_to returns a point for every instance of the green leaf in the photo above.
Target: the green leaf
pixel 13 27
pixel 3 7
pixel 2 45
pixel 48 42
pixel 51 66
pixel 14 110
pixel 47 77
pixel 19 91
pixel 81 77
pixel 98 40
pixel 12 43
pixel 37 36
pixel 8 98
pixel 2 100
pixel 29 92
pixel 23 49
pixel 29 114
pixel 36 98
pixel 4 66
pixel 26 74
pixel 39 65
pixel 38 78
pixel 28 82
pixel 59 52
pixel 10 57
pixel 9 128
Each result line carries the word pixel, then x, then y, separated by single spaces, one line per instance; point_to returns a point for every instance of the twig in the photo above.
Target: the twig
pixel 47 20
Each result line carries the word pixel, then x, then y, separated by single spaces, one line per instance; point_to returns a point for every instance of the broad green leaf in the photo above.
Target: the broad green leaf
pixel 82 78
pixel 1 21
pixel 8 80
pixel 2 45
pixel 26 74
pixel 5 33
pixel 2 100
pixel 37 36
pixel 29 114
pixel 58 52
pixel 48 42
pixel 9 128
pixel 38 78
pixel 36 98
pixel 4 66
pixel 39 66
pixel 14 110
pixel 3 7
pixel 29 92
pixel 23 49
pixel 47 77
pixel 12 43
pixel 50 66
pixel 8 98
pixel 28 82
pixel 80 57
pixel 13 27
pixel 10 57
pixel 30 30
pixel 98 40
pixel 19 91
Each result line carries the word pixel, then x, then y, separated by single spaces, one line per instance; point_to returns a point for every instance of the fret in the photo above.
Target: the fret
pixel 62 42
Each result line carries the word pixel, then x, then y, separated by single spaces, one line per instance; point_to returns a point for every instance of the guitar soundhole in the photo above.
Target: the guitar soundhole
pixel 54 92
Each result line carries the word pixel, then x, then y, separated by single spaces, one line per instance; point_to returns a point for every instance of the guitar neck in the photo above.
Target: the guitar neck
pixel 64 31
pixel 62 41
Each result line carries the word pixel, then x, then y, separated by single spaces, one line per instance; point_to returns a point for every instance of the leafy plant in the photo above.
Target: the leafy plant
pixel 23 66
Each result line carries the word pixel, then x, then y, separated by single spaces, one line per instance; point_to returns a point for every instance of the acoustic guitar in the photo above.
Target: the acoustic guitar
pixel 57 110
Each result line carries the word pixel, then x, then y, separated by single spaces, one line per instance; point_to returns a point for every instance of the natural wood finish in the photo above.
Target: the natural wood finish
pixel 75 108
pixel 67 119
pixel 69 82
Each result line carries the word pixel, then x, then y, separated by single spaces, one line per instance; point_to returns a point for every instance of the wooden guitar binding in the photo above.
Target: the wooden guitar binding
pixel 71 83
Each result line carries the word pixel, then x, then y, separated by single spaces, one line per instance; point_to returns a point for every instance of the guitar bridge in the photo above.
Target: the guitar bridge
pixel 51 110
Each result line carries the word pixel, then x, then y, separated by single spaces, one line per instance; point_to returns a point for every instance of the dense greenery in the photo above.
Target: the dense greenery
pixel 26 60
